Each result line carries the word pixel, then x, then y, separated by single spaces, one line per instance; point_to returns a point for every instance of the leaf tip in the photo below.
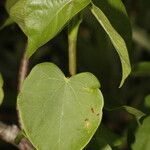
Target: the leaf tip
pixel 126 73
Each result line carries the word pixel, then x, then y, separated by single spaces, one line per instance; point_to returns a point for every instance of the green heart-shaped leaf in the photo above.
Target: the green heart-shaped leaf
pixel 41 20
pixel 60 113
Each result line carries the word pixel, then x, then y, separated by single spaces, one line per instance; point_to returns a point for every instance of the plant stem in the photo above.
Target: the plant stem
pixel 9 133
pixel 22 75
pixel 23 71
pixel 72 41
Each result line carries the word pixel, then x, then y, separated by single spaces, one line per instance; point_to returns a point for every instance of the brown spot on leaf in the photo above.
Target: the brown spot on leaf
pixel 97 114
pixel 86 119
pixel 92 110
pixel 87 123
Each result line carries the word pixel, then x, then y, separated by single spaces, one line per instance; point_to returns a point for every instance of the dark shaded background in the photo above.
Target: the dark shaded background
pixel 96 55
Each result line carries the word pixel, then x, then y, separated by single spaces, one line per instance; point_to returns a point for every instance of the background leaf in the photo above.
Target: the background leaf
pixel 8 5
pixel 65 113
pixel 147 101
pixel 142 138
pixel 116 39
pixel 135 112
pixel 131 110
pixel 42 20
pixel 142 69
pixel 105 139
pixel 141 37
pixel 118 17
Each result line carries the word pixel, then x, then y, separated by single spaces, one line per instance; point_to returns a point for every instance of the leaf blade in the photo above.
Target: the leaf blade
pixel 116 40
pixel 142 137
pixel 8 21
pixel 62 109
pixel 42 20
pixel 131 110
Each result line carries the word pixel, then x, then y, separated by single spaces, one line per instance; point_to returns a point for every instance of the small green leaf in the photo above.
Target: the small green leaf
pixel 42 20
pixel 1 90
pixel 116 39
pixel 59 113
pixel 142 138
pixel 142 69
pixel 106 147
pixel 133 111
